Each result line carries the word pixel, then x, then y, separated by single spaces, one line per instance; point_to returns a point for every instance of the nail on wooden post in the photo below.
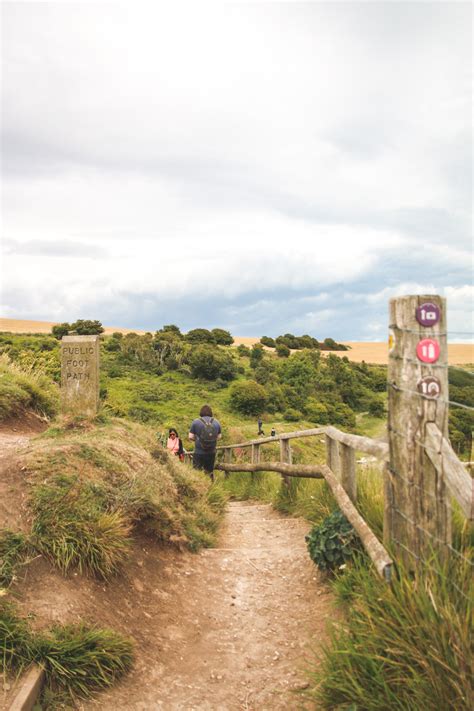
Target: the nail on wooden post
pixel 348 471
pixel 418 514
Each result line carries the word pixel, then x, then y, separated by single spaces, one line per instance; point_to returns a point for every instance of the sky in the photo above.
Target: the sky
pixel 263 167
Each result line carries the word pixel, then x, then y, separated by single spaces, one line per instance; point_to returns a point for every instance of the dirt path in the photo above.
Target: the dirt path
pixel 237 624
pixel 233 627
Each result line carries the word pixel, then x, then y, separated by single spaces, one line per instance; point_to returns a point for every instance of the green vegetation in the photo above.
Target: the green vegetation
pixel 407 646
pixel 23 388
pixel 333 542
pixel 93 486
pixel 81 327
pixel 13 551
pixel 300 342
pixel 78 659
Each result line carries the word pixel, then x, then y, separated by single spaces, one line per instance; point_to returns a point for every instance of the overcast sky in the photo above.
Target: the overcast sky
pixel 265 167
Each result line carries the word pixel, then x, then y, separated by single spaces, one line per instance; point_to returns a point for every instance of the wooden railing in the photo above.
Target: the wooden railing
pixel 339 472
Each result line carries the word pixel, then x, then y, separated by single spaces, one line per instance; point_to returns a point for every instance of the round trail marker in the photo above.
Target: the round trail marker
pixel 428 314
pixel 428 350
pixel 429 387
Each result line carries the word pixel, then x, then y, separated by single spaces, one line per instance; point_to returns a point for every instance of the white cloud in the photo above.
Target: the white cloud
pixel 232 150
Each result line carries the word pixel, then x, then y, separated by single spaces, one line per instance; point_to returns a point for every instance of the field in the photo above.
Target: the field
pixel 458 353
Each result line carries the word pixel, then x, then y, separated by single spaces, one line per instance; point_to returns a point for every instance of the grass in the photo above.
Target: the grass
pixel 23 388
pixel 92 485
pixel 78 659
pixel 405 647
pixel 14 548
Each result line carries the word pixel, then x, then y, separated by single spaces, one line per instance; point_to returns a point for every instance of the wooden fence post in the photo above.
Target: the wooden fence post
pixel 285 457
pixel 227 460
pixel 333 459
pixel 348 471
pixel 417 512
pixel 255 453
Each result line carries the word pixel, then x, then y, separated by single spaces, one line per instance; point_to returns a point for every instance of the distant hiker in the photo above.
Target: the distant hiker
pixel 205 431
pixel 273 432
pixel 174 444
pixel 260 426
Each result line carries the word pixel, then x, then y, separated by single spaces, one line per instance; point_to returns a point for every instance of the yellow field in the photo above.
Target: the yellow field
pixel 458 353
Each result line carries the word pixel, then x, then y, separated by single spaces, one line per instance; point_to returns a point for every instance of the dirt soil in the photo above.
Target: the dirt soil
pixel 233 627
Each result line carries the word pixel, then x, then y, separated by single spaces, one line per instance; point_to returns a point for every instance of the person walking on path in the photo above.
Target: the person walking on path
pixel 205 431
pixel 260 426
pixel 175 444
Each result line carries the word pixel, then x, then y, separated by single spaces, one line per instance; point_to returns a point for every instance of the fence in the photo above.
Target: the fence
pixel 422 473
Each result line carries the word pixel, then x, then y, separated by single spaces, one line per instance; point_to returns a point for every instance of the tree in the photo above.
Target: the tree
pixel 221 337
pixel 60 330
pixel 256 355
pixel 199 335
pixel 211 363
pixel 87 328
pixel 267 341
pixel 171 328
pixel 248 397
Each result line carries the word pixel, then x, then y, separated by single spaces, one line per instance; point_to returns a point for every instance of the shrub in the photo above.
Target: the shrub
pixel 86 327
pixel 292 415
pixel 222 337
pixel 333 542
pixel 199 335
pixel 211 363
pixel 267 341
pixel 248 397
pixel 243 350
pixel 376 408
pixel 282 350
pixel 60 330
pixel 256 355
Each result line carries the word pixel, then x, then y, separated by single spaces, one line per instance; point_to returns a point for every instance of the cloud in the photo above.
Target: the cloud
pixel 279 165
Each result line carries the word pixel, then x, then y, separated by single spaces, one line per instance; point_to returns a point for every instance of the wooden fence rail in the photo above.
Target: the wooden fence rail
pixel 421 471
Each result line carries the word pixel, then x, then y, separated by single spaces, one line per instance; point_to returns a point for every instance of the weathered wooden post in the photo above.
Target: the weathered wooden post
pixel 285 457
pixel 227 459
pixel 348 471
pixel 333 459
pixel 417 511
pixel 255 453
pixel 255 458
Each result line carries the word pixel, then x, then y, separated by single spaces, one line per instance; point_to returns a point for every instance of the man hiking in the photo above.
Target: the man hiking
pixel 205 431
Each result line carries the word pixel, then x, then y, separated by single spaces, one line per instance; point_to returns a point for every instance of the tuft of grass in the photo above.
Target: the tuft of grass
pixel 78 659
pixel 405 647
pixel 81 659
pixel 24 388
pixel 72 529
pixel 13 550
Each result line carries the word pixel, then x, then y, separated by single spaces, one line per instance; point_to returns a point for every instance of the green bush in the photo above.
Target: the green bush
pixel 210 363
pixel 200 335
pixel 267 341
pixel 333 542
pixel 222 337
pixel 292 415
pixel 282 350
pixel 248 397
